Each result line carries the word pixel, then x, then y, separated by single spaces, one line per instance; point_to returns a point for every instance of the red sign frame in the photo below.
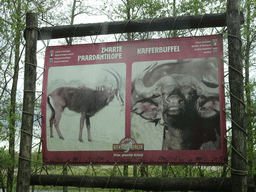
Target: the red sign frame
pixel 114 142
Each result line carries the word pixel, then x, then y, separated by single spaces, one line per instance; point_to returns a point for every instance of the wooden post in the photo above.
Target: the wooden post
pixel 130 26
pixel 164 170
pixel 135 171
pixel 238 157
pixel 24 169
pixel 65 172
pixel 144 170
pixel 138 183
pixel 125 174
pixel 125 170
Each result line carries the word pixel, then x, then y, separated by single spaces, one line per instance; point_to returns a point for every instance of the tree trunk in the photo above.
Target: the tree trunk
pixel 238 157
pixel 12 114
pixel 24 169
pixel 70 40
pixel 248 89
pixel 128 11
pixel 174 34
pixel 2 181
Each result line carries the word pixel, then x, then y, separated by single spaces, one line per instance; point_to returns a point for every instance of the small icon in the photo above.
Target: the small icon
pixel 51 53
pixel 214 42
pixel 215 50
pixel 50 60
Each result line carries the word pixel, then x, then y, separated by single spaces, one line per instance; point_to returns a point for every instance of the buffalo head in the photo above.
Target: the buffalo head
pixel 178 95
pixel 195 78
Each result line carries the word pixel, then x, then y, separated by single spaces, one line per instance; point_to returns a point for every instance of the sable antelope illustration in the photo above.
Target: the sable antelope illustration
pixel 82 100
pixel 185 97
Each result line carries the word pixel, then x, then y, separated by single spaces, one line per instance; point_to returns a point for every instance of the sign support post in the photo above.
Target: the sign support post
pixel 238 159
pixel 24 169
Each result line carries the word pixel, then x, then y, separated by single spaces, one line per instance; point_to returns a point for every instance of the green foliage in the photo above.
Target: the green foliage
pixel 134 10
pixel 251 126
pixel 5 159
pixel 248 35
pixel 11 23
pixel 138 9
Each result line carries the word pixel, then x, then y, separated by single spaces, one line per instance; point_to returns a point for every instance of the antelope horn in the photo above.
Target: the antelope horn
pixel 120 78
pixel 117 81
pixel 118 84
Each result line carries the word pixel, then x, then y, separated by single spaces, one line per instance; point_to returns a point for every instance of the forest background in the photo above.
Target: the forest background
pixel 68 12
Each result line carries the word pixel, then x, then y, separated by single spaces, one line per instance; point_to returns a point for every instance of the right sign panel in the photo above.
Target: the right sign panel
pixel 177 104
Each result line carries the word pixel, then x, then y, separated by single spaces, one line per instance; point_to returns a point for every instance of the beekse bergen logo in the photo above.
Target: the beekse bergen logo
pixel 128 144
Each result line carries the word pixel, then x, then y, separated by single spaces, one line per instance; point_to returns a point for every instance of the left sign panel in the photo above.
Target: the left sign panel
pixel 75 89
